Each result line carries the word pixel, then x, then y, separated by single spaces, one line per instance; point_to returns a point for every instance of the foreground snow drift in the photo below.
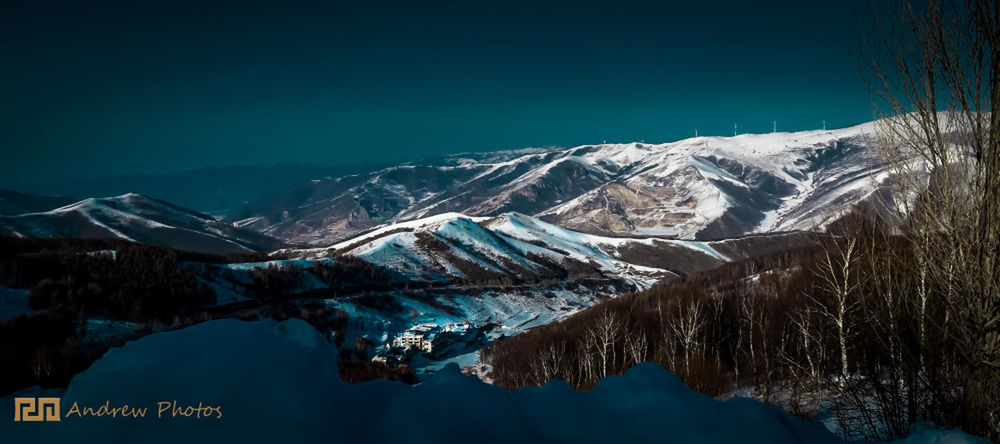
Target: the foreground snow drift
pixel 279 382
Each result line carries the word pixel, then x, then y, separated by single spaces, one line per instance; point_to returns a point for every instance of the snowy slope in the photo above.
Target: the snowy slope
pixel 518 247
pixel 715 187
pixel 512 272
pixel 699 188
pixel 380 316
pixel 137 218
pixel 278 382
pixel 274 382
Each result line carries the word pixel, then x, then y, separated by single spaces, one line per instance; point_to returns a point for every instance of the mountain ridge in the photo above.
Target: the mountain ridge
pixel 138 218
pixel 15 202
pixel 697 188
pixel 516 247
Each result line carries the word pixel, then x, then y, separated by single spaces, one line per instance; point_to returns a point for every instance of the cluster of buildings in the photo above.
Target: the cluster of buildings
pixel 422 337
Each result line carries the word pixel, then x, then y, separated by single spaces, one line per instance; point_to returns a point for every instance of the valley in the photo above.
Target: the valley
pixel 506 241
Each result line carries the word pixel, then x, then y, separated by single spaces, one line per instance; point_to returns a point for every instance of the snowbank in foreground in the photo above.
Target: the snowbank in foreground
pixel 278 382
pixel 931 436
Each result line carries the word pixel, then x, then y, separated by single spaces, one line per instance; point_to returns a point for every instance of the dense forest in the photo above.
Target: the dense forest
pixel 852 321
pixel 150 289
pixel 71 280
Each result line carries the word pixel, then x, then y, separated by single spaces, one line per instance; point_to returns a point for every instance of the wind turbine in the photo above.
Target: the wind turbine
pixel 824 125
pixel 774 126
pixel 696 132
pixel 734 130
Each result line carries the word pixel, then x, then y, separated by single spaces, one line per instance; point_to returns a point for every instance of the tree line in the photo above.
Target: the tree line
pixel 72 280
pixel 892 320
pixel 852 322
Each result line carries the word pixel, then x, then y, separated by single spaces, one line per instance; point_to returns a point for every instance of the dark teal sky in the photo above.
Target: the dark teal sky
pixel 98 88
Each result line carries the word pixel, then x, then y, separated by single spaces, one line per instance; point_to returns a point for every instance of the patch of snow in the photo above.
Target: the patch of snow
pixel 271 379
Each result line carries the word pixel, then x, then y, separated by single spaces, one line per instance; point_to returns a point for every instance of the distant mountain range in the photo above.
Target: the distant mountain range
pixel 213 190
pixel 702 189
pixel 141 219
pixel 511 239
pixel 699 188
pixel 13 202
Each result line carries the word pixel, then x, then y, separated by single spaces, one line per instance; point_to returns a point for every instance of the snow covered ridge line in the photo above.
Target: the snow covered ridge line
pixel 694 189
pixel 277 382
pixel 518 246
pixel 138 218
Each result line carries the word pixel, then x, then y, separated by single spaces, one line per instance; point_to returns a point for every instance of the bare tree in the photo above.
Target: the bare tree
pixel 835 272
pixel 586 348
pixel 687 328
pixel 750 312
pixel 551 363
pixel 605 334
pixel 637 345
pixel 42 365
pixel 934 76
pixel 667 345
pixel 811 343
pixel 717 303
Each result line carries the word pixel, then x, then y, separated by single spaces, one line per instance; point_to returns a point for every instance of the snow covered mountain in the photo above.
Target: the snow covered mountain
pixel 511 272
pixel 210 190
pixel 514 247
pixel 141 219
pixel 699 188
pixel 716 187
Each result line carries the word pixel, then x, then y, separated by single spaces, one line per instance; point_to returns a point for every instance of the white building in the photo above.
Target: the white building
pixel 460 327
pixel 420 337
